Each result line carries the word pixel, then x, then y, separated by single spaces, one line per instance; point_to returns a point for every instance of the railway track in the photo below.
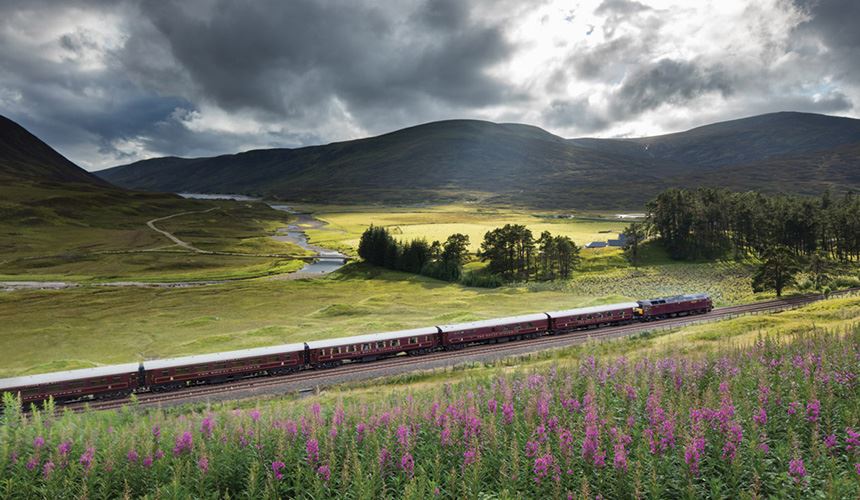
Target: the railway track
pixel 310 380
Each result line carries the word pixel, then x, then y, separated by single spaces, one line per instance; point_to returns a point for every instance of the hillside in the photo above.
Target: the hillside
pixel 468 160
pixel 24 156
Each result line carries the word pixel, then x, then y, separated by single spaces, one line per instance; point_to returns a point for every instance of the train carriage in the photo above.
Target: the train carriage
pixel 592 317
pixel 494 330
pixel 218 367
pixel 70 385
pixel 333 352
pixel 678 305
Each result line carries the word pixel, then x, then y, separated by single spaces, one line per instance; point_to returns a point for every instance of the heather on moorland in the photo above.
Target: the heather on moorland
pixel 778 418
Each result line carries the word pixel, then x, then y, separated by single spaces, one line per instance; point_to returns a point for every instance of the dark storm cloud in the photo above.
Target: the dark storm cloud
pixel 303 63
pixel 108 81
pixel 668 82
pixel 834 23
pixel 287 57
pixel 574 112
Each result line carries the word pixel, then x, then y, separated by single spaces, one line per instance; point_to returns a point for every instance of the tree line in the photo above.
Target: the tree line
pixel 512 254
pixel 708 223
pixel 438 260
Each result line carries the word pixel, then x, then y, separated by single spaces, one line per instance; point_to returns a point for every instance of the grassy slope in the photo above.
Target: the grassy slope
pixel 82 327
pixel 63 231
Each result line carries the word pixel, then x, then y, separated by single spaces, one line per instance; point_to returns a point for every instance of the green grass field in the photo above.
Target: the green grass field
pixel 48 330
pixel 346 223
pixel 97 235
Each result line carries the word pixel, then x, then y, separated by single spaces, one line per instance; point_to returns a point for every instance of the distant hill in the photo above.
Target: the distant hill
pixel 469 160
pixel 40 188
pixel 23 156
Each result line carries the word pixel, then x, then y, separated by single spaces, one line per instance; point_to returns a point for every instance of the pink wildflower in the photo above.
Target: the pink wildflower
pixel 796 469
pixel 324 472
pixel 48 469
pixel 312 447
pixel 38 442
pixel 407 463
pixel 277 467
pixel 203 465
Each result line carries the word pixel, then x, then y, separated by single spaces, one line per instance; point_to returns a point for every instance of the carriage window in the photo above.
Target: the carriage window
pixel 338 350
pixel 413 340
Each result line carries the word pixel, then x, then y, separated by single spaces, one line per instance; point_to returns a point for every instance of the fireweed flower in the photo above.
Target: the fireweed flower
pixel 277 467
pixel 470 456
pixel 760 417
pixel 813 410
pixel 32 463
pixel 312 448
pixel 403 436
pixel 131 456
pixel 796 469
pixel 324 472
pixel 384 457
pixel 793 406
pixel 86 459
pixel 508 411
pixel 491 405
pixel 64 448
pixel 852 442
pixel 156 432
pixel 830 441
pixel 184 442
pixel 147 461
pixel 206 426
pixel 47 469
pixel 38 442
pixel 407 463
pixel 693 454
pixel 543 466
pixel 203 464
pixel 255 415
pixel 159 454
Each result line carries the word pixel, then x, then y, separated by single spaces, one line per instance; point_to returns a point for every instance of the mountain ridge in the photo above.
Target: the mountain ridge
pixel 474 160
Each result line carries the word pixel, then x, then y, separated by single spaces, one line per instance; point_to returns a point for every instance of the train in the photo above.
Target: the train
pixel 116 381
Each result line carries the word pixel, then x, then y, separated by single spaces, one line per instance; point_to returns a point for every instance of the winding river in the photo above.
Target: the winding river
pixel 328 261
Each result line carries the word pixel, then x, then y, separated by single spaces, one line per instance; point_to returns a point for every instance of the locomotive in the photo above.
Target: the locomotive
pixel 121 380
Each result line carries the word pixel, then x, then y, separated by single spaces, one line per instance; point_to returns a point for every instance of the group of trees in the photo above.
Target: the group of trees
pixel 513 253
pixel 442 261
pixel 709 223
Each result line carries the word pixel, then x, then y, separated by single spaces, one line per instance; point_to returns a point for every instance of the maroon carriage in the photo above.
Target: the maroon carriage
pixel 373 346
pixel 592 317
pixel 494 330
pixel 103 381
pixel 218 367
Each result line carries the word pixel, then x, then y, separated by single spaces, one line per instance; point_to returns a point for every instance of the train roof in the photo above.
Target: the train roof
pixel 593 309
pixel 371 337
pixel 81 373
pixel 493 322
pixel 675 298
pixel 158 364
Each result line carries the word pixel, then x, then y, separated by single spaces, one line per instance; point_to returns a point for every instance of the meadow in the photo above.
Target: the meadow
pixel 774 415
pixel 80 235
pixel 88 326
pixel 346 223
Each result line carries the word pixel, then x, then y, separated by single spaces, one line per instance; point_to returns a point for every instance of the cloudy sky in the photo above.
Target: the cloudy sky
pixel 110 82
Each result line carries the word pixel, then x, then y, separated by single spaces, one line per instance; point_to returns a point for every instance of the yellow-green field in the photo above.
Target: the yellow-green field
pixel 49 330
pixel 346 223
pixel 81 236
